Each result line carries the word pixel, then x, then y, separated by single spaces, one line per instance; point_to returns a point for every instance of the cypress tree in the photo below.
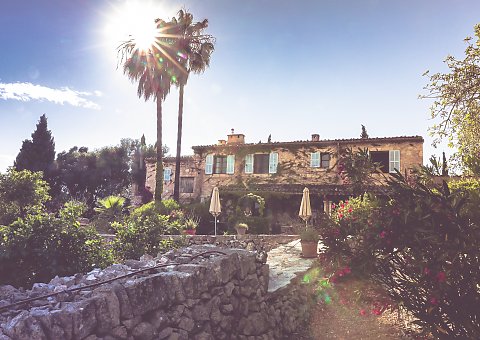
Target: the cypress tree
pixel 38 154
pixel 364 132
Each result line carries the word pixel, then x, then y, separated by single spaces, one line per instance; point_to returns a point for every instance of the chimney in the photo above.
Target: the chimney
pixel 222 142
pixel 315 137
pixel 236 138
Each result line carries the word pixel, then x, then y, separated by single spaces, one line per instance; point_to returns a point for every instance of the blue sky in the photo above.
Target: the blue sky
pixel 285 68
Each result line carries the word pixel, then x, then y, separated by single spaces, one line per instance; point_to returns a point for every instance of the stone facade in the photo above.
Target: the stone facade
pixel 293 169
pixel 201 292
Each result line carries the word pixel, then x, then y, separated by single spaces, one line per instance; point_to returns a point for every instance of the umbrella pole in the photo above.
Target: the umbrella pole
pixel 215 225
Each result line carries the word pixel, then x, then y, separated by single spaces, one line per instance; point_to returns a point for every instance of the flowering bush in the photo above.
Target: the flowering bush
pixel 421 243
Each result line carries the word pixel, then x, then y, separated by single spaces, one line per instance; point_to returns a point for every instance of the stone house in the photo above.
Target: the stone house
pixel 281 167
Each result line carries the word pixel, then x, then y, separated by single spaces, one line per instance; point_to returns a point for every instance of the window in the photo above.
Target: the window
pixel 260 163
pixel 382 158
pixel 209 164
pixel 186 185
pixel 220 165
pixel 394 160
pixel 315 159
pixel 167 174
pixel 325 160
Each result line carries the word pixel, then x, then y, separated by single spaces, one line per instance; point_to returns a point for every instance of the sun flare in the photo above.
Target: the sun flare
pixel 133 20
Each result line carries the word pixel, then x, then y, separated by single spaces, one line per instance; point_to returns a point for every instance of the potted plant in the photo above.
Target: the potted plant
pixel 241 228
pixel 191 224
pixel 309 240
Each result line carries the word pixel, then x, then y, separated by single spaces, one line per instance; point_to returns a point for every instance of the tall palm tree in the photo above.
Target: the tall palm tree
pixel 155 70
pixel 194 51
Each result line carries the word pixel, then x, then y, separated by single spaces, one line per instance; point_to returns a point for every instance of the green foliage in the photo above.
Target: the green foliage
pixel 309 235
pixel 38 154
pixel 21 193
pixel 469 189
pixel 421 244
pixel 141 232
pixel 109 209
pixel 40 246
pixel 166 207
pixel 86 176
pixel 355 168
pixel 456 106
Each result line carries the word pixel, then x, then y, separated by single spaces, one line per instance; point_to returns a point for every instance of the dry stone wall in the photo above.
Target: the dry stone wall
pixel 198 294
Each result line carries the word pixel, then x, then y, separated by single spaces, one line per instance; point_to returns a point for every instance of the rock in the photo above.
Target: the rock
pixel 107 309
pixel 164 333
pixel 186 324
pixel 131 323
pixel 143 331
pixel 24 326
pixel 119 332
pixel 158 319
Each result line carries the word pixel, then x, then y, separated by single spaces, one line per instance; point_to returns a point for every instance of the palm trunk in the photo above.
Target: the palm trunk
pixel 176 189
pixel 159 171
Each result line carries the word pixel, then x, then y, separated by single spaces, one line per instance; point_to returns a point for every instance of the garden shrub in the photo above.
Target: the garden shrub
pixel 21 193
pixel 141 232
pixel 42 245
pixel 422 245
pixel 420 241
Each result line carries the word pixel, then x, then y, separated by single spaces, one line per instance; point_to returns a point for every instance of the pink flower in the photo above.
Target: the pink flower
pixel 433 300
pixel 441 277
pixel 347 270
pixel 383 234
pixel 363 312
pixel 426 271
pixel 376 311
pixel 350 210
pixel 340 215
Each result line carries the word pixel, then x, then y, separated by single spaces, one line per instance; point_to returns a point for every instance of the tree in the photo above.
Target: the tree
pixel 456 105
pixel 195 49
pixel 155 71
pixel 364 132
pixel 38 154
pixel 21 193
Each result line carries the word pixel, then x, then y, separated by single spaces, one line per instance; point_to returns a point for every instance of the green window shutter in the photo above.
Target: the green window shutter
pixel 273 162
pixel 394 160
pixel 209 165
pixel 249 164
pixel 167 174
pixel 315 160
pixel 230 164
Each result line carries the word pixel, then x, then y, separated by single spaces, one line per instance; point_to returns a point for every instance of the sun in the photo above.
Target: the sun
pixel 133 20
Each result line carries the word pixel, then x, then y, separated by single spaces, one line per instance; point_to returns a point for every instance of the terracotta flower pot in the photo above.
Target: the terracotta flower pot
pixel 309 249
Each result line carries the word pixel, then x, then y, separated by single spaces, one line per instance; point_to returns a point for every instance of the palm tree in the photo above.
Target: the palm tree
pixel 194 51
pixel 155 70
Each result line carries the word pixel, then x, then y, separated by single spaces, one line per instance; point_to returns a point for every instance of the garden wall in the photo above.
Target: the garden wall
pixel 250 242
pixel 209 296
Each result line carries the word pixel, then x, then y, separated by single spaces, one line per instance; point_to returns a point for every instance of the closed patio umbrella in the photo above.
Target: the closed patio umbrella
pixel 215 207
pixel 305 211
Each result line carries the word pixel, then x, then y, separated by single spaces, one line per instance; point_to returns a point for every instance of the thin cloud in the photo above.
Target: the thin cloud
pixel 27 91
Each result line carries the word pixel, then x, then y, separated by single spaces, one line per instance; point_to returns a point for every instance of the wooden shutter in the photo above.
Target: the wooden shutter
pixel 394 160
pixel 249 164
pixel 167 174
pixel 209 165
pixel 273 162
pixel 315 159
pixel 230 164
